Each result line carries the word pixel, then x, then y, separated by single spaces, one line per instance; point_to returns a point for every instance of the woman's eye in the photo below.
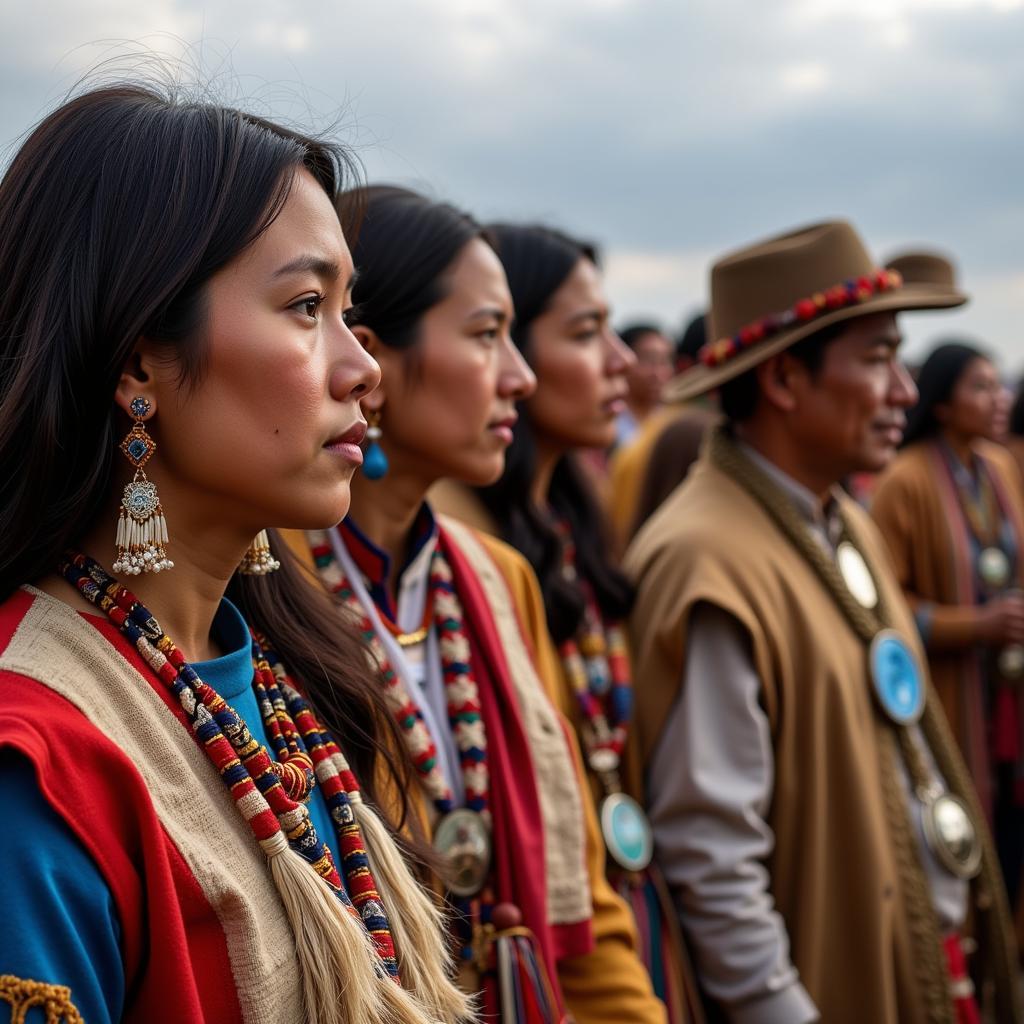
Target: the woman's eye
pixel 490 334
pixel 309 305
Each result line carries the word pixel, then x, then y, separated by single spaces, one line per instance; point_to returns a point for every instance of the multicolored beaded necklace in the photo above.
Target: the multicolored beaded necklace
pixel 596 665
pixel 463 706
pixel 270 795
pixel 463 696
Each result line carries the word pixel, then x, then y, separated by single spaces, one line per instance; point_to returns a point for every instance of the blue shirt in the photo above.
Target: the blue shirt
pixel 61 924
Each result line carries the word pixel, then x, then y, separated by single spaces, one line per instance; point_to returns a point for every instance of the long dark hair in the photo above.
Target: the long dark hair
pixel 114 215
pixel 1016 426
pixel 404 244
pixel 936 381
pixel 537 261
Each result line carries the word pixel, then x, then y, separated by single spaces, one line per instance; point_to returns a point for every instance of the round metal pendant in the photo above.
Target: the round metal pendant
pixel 463 839
pixel 994 568
pixel 627 832
pixel 140 499
pixel 603 761
pixel 1011 662
pixel 951 835
pixel 897 677
pixel 856 575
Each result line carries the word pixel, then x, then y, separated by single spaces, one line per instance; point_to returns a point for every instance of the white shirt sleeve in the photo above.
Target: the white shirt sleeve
pixel 709 787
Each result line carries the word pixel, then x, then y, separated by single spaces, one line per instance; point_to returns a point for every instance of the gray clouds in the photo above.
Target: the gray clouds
pixel 666 130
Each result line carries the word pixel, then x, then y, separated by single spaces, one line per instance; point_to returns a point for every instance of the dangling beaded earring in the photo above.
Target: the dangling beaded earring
pixel 141 527
pixel 259 560
pixel 375 462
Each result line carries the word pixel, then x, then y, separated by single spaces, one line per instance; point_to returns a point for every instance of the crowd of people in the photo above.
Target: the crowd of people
pixel 386 639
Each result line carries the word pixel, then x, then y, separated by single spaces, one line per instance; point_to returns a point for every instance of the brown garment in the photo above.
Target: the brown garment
pixel 675 451
pixel 853 919
pixel 1015 446
pixel 928 537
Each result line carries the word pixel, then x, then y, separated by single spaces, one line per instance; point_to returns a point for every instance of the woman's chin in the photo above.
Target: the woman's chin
pixel 319 513
pixel 480 473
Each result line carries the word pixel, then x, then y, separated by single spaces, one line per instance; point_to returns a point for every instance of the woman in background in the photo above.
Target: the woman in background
pixel 951 509
pixel 455 620
pixel 543 507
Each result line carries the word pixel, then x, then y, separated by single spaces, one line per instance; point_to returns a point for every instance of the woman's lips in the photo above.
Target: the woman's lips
pixel 502 429
pixel 347 445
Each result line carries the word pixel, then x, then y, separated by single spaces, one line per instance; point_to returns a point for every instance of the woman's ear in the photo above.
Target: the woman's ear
pixel 137 380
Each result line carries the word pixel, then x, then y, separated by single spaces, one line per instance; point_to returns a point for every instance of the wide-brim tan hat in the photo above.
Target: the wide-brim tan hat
pixel 768 296
pixel 925 268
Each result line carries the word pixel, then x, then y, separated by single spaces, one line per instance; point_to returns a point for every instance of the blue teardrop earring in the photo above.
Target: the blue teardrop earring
pixel 375 462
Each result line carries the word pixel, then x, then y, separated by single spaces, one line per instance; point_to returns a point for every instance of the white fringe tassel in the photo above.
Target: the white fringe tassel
pixel 342 980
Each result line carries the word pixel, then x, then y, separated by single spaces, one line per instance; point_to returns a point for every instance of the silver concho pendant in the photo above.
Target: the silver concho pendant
pixel 627 832
pixel 463 839
pixel 856 575
pixel 1011 662
pixel 951 835
pixel 994 568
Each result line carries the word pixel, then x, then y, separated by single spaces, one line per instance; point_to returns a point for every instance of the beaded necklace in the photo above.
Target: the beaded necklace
pixel 981 507
pixel 596 665
pixel 269 796
pixel 462 693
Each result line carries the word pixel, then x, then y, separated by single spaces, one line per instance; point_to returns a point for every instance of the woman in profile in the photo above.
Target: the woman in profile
pixel 543 506
pixel 458 626
pixel 951 507
pixel 193 759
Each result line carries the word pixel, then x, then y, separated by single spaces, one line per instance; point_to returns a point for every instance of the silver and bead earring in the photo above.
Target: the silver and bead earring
pixel 259 560
pixel 141 527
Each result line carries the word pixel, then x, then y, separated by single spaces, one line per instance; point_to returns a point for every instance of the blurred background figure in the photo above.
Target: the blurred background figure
pixel 951 509
pixel 675 451
pixel 690 342
pixel 646 378
pixel 628 469
pixel 1014 440
pixel 933 271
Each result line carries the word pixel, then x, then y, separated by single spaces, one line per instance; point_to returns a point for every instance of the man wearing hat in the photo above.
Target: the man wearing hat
pixel 810 810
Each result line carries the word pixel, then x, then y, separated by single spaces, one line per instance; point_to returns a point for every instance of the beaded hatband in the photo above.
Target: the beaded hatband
pixel 244 765
pixel 849 293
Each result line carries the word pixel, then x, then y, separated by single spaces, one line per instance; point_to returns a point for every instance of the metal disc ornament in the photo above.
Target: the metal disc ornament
pixel 140 499
pixel 463 839
pixel 1011 662
pixel 627 832
pixel 994 568
pixel 897 677
pixel 603 760
pixel 856 575
pixel 951 835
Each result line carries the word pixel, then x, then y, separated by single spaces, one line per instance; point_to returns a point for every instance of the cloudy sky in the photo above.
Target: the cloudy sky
pixel 667 130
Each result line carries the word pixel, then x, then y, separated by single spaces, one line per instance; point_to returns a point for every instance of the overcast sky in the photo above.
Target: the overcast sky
pixel 668 131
